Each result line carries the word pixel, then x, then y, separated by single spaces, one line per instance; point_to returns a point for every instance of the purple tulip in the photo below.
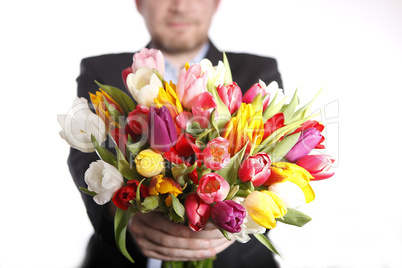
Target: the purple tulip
pixel 162 132
pixel 308 140
pixel 228 215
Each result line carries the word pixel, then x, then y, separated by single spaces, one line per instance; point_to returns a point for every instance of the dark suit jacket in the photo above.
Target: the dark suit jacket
pixel 102 252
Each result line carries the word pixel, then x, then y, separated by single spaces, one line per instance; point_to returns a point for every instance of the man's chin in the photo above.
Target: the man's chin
pixel 179 45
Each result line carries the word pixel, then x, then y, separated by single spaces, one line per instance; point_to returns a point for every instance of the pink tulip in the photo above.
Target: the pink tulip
pixel 212 188
pixel 216 154
pixel 197 211
pixel 255 168
pixel 231 95
pixel 254 91
pixel 190 84
pixel 203 108
pixel 151 58
pixel 319 166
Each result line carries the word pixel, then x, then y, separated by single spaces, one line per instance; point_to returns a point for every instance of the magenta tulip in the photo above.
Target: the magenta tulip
pixel 212 188
pixel 255 168
pixel 308 140
pixel 197 211
pixel 228 215
pixel 162 132
pixel 231 96
pixel 190 84
pixel 216 154
pixel 319 166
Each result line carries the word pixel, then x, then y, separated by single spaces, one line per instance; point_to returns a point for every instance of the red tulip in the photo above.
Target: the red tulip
pixel 255 168
pixel 122 196
pixel 197 211
pixel 319 166
pixel 137 119
pixel 274 123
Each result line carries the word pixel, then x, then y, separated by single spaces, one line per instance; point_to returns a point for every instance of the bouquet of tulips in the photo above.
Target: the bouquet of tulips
pixel 198 150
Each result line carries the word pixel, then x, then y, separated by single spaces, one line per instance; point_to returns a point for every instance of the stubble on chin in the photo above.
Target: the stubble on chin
pixel 178 45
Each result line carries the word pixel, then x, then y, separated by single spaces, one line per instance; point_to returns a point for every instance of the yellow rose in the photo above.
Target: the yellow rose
pixel 149 163
pixel 264 207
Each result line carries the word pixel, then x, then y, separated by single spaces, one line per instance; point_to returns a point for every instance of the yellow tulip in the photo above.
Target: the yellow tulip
pixel 100 106
pixel 246 126
pixel 264 207
pixel 167 97
pixel 284 171
pixel 164 185
pixel 149 163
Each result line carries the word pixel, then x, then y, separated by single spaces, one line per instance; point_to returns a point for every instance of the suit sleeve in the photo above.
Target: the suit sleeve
pixel 78 162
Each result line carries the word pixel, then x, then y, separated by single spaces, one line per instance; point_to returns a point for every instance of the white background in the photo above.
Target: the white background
pixel 351 48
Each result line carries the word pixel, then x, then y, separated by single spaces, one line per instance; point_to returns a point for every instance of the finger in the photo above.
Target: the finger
pixel 224 246
pixel 174 254
pixel 159 222
pixel 142 230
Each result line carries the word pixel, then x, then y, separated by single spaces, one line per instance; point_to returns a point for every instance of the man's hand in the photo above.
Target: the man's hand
pixel 159 238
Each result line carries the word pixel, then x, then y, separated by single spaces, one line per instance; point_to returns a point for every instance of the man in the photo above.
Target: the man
pixel 179 28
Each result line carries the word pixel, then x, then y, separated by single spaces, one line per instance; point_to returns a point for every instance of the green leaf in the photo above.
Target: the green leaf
pixel 124 167
pixel 303 111
pixel 225 234
pixel 283 147
pixel 229 173
pixel 180 170
pixel 265 241
pixel 121 219
pixel 223 111
pixel 178 207
pixel 85 190
pixel 194 128
pixel 232 192
pixel 136 148
pixel 151 202
pixel 273 108
pixel 228 72
pixel 257 103
pixel 126 102
pixel 289 109
pixel 277 134
pixel 295 217
pixel 138 196
pixel 113 112
pixel 103 153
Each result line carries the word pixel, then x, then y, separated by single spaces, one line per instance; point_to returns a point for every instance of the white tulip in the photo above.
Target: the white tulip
pixel 79 124
pixel 249 226
pixel 215 73
pixel 291 194
pixel 272 90
pixel 103 179
pixel 144 86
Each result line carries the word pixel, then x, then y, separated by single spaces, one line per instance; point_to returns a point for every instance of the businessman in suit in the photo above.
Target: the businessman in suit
pixel 179 28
